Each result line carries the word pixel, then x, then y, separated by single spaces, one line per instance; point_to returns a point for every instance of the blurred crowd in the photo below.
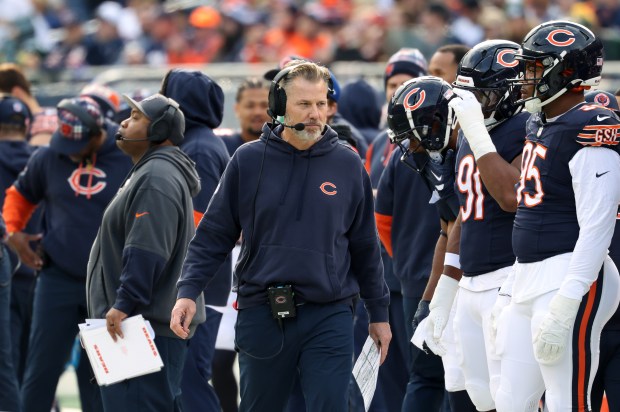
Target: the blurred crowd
pixel 54 35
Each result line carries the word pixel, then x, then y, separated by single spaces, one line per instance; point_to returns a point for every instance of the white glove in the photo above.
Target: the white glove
pixel 440 307
pixel 500 303
pixel 552 335
pixel 471 119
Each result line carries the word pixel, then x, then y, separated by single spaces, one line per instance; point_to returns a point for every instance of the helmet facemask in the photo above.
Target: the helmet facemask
pixel 432 134
pixel 555 57
pixel 548 78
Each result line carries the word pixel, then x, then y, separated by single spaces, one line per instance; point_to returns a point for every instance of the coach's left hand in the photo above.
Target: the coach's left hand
pixel 552 337
pixel 381 334
pixel 113 322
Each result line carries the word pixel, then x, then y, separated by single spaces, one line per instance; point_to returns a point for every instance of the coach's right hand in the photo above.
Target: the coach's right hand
pixel 20 243
pixel 181 317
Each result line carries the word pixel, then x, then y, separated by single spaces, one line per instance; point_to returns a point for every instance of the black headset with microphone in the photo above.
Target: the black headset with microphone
pixel 277 98
pixel 160 128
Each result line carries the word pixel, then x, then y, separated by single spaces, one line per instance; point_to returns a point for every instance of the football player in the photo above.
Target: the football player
pixel 422 125
pixel 565 287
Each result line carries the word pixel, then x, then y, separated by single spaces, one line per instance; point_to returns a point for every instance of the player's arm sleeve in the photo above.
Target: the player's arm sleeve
pixel 384 204
pixel 215 236
pixel 596 183
pixel 17 210
pixel 366 260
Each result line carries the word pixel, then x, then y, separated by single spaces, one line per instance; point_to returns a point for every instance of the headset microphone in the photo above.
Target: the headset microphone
pixel 119 137
pixel 298 126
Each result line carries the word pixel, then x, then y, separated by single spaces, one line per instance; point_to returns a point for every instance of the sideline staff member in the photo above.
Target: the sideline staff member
pixel 296 179
pixel 139 250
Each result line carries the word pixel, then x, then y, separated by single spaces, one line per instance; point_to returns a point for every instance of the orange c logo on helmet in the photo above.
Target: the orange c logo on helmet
pixel 418 103
pixel 328 188
pixel 551 38
pixel 502 62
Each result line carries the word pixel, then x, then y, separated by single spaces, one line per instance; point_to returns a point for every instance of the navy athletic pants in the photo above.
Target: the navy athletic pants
pixel 198 394
pixel 317 344
pixel 59 305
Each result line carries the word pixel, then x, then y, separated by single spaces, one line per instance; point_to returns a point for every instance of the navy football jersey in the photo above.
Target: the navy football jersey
pixel 439 177
pixel 546 220
pixel 486 229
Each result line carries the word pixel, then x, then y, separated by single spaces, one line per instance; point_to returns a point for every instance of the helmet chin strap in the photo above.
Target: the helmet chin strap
pixel 436 155
pixel 535 105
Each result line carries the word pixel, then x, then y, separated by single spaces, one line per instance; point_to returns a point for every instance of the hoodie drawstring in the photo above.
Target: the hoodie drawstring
pixel 302 189
pixel 89 166
pixel 90 175
pixel 290 176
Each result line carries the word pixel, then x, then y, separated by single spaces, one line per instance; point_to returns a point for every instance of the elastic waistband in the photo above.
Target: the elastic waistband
pixel 244 302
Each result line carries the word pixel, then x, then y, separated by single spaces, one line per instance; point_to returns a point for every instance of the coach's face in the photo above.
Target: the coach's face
pixel 306 102
pixel 134 132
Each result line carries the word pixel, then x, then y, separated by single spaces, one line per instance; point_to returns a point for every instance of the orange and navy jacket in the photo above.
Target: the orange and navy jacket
pixel 408 224
pixel 75 196
pixel 307 219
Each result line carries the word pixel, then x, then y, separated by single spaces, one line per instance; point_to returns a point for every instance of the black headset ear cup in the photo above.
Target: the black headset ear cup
pixel 88 123
pixel 277 94
pixel 160 129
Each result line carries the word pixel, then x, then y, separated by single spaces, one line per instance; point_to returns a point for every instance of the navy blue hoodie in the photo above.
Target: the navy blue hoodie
pixel 75 198
pixel 359 103
pixel 202 102
pixel 307 219
pixel 13 158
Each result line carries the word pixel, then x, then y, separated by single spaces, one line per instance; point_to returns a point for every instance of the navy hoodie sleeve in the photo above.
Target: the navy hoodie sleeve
pixel 366 260
pixel 152 221
pixel 215 236
pixel 31 181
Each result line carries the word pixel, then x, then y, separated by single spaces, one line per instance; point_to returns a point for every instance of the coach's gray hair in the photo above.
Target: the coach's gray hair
pixel 306 70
